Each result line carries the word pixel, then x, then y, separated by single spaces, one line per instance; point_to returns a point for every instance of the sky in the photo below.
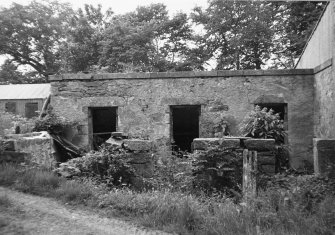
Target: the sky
pixel 122 6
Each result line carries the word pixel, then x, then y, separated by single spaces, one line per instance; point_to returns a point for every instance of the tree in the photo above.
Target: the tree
pixel 81 50
pixel 238 34
pixel 251 34
pixel 31 34
pixel 145 40
pixel 9 73
pixel 301 22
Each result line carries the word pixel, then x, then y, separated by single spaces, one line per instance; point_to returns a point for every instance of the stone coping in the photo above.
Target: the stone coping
pixel 185 74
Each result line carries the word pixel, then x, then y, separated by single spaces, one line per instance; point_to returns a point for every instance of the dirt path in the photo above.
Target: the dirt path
pixel 28 214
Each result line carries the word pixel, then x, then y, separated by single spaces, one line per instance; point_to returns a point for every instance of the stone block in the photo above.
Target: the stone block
pixel 260 144
pixel 139 158
pixel 324 156
pixel 8 144
pixel 267 169
pixel 10 156
pixel 137 145
pixel 266 158
pixel 205 143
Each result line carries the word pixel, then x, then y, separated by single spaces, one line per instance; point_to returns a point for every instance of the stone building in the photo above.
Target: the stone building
pixel 176 107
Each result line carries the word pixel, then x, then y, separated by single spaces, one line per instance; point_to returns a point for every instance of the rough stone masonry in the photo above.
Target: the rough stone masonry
pixel 144 102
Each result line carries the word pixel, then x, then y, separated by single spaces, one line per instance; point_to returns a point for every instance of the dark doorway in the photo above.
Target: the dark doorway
pixel 185 126
pixel 104 122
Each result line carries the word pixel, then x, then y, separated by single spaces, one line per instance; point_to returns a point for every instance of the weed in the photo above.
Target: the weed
pixel 8 174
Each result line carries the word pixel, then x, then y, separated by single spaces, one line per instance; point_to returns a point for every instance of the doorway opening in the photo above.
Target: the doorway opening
pixel 103 122
pixel 185 126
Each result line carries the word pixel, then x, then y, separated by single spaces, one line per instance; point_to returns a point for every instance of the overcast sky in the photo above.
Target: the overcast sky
pixel 122 6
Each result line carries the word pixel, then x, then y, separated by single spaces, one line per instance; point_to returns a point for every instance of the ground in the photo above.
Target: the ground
pixel 29 214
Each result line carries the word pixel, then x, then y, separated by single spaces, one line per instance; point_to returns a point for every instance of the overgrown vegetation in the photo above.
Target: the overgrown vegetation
pixel 273 212
pixel 108 165
pixel 53 123
pixel 265 124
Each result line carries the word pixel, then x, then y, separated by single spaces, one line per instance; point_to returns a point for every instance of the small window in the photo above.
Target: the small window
pixel 31 110
pixel 10 107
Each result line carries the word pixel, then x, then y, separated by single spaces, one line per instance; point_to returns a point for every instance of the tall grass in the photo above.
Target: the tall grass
pixel 8 174
pixel 181 212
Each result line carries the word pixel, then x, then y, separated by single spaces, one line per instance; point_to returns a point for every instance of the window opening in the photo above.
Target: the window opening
pixel 31 110
pixel 10 107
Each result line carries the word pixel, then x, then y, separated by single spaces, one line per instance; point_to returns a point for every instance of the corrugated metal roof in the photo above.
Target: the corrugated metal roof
pixel 24 91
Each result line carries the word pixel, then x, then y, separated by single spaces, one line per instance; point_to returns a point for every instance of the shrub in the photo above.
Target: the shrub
pixel 52 123
pixel 218 170
pixel 109 165
pixel 264 124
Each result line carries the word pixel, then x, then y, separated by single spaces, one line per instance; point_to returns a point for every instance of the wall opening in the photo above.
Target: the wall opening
pixel 31 110
pixel 103 121
pixel 185 126
pixel 280 108
pixel 10 107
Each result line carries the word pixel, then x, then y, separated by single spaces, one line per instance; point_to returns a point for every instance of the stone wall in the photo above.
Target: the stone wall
pixel 144 101
pixel 265 149
pixel 324 126
pixel 33 148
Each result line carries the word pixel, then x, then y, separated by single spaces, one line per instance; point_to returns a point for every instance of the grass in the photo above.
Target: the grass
pixel 5 201
pixel 180 212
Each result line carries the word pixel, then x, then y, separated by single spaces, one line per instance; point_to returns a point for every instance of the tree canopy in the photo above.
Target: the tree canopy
pixel 51 37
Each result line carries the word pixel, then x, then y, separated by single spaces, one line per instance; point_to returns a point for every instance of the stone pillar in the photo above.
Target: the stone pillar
pixel 249 174
pixel 324 156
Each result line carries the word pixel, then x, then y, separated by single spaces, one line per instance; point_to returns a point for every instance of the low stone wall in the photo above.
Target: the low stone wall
pixel 140 155
pixel 36 148
pixel 265 149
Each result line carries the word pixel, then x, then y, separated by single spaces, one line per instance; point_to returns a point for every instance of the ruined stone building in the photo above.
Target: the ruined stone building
pixel 176 107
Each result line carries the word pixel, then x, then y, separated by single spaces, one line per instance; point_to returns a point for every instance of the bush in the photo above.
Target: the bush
pixel 264 124
pixel 218 170
pixel 108 165
pixel 52 123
